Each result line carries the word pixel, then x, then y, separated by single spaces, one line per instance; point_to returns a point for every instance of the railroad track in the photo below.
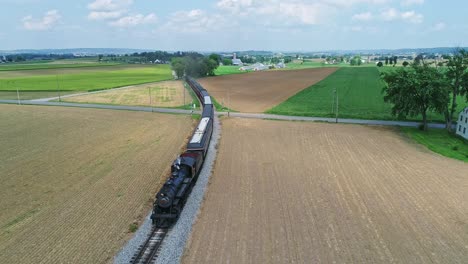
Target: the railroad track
pixel 148 252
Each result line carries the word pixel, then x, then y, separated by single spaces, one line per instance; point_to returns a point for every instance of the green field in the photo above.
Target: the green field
pixel 225 70
pixel 32 83
pixel 51 65
pixel 440 141
pixel 359 92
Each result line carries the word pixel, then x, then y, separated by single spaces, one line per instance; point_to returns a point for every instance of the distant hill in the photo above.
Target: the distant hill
pixel 117 51
pixel 80 51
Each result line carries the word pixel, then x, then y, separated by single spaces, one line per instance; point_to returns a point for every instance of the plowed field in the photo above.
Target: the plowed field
pixel 73 180
pixel 259 91
pixel 296 192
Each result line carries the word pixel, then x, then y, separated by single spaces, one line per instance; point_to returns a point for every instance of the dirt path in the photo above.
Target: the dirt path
pixel 259 91
pixel 292 192
pixel 73 180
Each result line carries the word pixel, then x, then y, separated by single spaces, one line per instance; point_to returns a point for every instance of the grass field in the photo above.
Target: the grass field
pixel 440 141
pixel 359 92
pixel 224 70
pixel 74 180
pixel 163 94
pixel 80 79
pixel 51 65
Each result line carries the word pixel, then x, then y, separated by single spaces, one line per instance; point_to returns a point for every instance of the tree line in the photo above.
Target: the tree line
pixel 423 87
pixel 195 65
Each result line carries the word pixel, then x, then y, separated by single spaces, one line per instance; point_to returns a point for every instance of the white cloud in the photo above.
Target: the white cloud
pixel 109 5
pixel 290 12
pixel 363 16
pixel 49 20
pixel 193 21
pixel 412 17
pixel 412 2
pixel 439 26
pixel 108 9
pixel 102 15
pixel 134 20
pixel 408 16
pixel 390 14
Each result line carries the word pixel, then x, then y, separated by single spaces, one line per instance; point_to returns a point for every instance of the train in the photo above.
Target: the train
pixel 173 195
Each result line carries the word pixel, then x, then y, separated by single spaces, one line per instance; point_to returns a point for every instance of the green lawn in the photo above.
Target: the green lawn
pixel 359 92
pixel 224 70
pixel 49 65
pixel 86 80
pixel 440 141
pixel 34 86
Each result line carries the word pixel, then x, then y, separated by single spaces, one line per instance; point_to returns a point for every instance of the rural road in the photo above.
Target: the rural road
pixel 233 114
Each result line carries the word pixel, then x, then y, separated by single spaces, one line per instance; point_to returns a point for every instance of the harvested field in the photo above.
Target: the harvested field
pixel 259 91
pixel 292 192
pixel 163 94
pixel 74 180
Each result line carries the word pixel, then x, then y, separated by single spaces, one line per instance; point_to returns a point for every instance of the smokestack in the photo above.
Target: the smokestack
pixel 234 56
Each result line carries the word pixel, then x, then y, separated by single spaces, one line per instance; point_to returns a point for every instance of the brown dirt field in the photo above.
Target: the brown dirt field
pixel 257 92
pixel 293 192
pixel 163 94
pixel 73 180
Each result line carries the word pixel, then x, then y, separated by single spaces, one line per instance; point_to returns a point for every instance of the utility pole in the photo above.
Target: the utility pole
pixel 337 108
pixel 229 100
pixel 17 94
pixel 185 88
pixel 149 92
pixel 333 102
pixel 58 88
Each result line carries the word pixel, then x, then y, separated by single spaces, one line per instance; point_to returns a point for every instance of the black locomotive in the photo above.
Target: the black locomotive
pixel 185 169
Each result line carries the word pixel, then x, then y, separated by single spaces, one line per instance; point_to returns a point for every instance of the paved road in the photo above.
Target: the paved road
pixel 233 114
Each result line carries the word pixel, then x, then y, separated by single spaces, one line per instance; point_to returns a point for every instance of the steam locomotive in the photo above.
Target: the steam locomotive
pixel 185 169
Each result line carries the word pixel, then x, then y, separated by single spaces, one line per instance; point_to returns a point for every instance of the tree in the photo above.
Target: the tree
pixel 386 60
pixel 415 90
pixel 395 59
pixel 390 60
pixel 405 63
pixel 379 64
pixel 356 60
pixel 216 57
pixel 418 60
pixel 211 66
pixel 457 75
pixel 100 57
pixel 178 66
pixel 227 62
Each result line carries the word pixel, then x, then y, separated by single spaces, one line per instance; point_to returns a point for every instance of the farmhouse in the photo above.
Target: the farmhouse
pixel 462 124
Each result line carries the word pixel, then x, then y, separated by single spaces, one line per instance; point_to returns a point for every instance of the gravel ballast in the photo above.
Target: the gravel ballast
pixel 174 244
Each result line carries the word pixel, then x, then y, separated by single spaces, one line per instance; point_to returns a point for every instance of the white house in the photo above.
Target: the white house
pixel 462 124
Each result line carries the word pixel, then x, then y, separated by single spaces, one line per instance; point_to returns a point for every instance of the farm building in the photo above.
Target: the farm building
pixel 255 67
pixel 236 61
pixel 462 124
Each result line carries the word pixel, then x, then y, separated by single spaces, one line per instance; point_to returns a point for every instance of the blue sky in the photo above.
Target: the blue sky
pixel 218 25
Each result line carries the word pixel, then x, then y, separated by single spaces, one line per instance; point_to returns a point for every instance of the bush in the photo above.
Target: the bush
pixel 379 64
pixel 133 227
pixel 421 127
pixel 405 63
pixel 455 148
